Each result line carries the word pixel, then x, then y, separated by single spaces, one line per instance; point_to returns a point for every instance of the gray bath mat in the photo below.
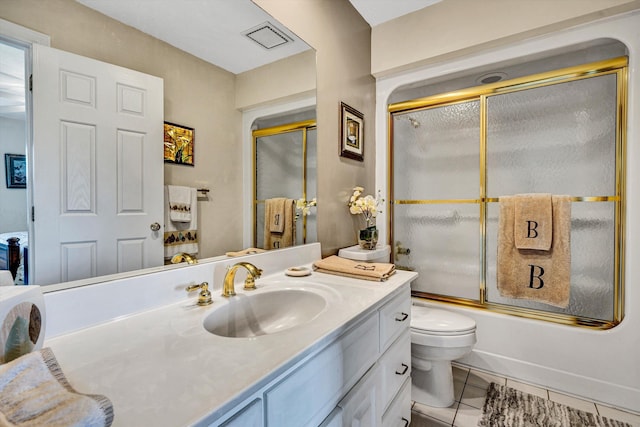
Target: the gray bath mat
pixel 508 407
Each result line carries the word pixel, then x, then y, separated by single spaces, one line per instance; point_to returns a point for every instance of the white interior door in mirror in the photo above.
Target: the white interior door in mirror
pixel 97 166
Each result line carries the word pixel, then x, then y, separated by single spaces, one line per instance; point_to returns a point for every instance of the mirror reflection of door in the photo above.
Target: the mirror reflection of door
pixel 13 144
pixel 285 166
pixel 97 128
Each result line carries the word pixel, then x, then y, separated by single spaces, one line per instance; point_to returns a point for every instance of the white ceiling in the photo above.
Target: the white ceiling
pixel 213 29
pixel 376 12
pixel 209 29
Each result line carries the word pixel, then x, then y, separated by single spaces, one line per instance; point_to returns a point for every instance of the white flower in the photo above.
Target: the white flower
pixel 367 205
pixel 305 206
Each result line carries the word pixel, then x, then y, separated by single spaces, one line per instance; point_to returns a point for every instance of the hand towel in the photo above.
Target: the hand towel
pixel 375 271
pixel 181 236
pixel 288 236
pixel 180 203
pixel 35 392
pixel 248 251
pixel 543 276
pixel 276 209
pixel 533 225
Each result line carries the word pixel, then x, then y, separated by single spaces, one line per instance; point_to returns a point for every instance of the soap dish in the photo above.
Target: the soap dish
pixel 297 271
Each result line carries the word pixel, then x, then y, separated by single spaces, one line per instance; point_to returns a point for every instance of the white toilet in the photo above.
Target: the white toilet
pixel 437 337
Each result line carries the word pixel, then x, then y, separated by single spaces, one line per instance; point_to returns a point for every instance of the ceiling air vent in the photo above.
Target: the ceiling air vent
pixel 267 35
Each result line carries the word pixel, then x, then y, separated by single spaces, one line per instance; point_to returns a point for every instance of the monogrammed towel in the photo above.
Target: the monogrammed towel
pixel 287 237
pixel 543 276
pixel 533 227
pixel 375 271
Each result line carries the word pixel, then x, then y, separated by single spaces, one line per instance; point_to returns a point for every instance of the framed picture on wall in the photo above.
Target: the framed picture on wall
pixel 15 170
pixel 178 144
pixel 351 133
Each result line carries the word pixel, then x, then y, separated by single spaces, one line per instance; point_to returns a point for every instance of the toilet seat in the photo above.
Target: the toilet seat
pixel 433 321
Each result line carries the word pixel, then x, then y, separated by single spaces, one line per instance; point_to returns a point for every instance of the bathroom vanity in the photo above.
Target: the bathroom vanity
pixel 346 363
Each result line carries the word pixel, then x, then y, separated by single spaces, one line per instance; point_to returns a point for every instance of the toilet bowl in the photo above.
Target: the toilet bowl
pixel 437 337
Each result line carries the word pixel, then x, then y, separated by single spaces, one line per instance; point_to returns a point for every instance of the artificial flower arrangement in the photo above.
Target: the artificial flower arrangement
pixel 304 207
pixel 367 206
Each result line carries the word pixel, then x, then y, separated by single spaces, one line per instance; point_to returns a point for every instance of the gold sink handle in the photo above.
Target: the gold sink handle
pixel 204 298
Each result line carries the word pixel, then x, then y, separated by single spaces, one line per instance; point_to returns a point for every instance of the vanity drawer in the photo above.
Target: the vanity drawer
pixel 395 317
pixel 395 367
pixel 309 394
pixel 399 412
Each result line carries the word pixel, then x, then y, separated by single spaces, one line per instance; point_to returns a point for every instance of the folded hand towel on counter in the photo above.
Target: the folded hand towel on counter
pixel 375 271
pixel 273 240
pixel 248 251
pixel 35 392
pixel 180 203
pixel 181 236
pixel 543 276
pixel 533 226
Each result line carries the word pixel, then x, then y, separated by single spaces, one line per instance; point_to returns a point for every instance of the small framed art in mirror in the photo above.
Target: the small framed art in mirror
pixel 178 144
pixel 15 170
pixel 351 133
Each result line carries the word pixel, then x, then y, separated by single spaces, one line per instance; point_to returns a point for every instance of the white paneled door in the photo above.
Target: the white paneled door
pixel 97 168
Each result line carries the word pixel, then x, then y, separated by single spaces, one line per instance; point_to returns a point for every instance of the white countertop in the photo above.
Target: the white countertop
pixel 162 368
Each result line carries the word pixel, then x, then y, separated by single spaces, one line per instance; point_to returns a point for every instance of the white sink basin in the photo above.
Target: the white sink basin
pixel 250 315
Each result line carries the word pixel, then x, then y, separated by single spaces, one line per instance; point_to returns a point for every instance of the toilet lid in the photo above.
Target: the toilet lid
pixel 433 320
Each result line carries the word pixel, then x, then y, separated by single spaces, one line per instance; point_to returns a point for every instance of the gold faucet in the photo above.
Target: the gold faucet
pixel 182 256
pixel 254 272
pixel 204 298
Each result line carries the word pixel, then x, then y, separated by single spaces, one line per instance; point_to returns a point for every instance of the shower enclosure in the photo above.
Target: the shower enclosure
pixel 285 166
pixel 454 154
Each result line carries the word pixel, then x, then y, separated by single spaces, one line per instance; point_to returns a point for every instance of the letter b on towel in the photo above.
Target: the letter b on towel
pixel 533 222
pixel 535 279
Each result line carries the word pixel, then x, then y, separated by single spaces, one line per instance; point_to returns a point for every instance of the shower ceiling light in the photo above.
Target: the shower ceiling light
pixel 492 77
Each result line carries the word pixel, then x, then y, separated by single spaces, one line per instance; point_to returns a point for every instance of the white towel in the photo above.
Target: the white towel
pixel 35 392
pixel 180 204
pixel 181 236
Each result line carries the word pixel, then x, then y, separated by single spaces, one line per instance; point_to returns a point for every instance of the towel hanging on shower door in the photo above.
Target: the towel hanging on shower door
pixel 537 275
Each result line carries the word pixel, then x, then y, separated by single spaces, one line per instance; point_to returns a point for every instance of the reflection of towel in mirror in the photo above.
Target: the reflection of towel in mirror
pixel 35 392
pixel 375 271
pixel 277 214
pixel 275 240
pixel 181 236
pixel 537 275
pixel 248 251
pixel 180 204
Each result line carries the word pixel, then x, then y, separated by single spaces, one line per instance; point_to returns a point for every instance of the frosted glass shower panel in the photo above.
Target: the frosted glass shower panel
pixel 558 139
pixel 592 262
pixel 444 244
pixel 436 152
pixel 279 166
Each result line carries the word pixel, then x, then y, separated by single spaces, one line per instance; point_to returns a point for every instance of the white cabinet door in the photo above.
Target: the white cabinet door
pixel 360 408
pixel 97 167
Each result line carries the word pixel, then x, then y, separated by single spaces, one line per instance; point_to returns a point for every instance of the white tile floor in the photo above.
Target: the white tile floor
pixel 470 387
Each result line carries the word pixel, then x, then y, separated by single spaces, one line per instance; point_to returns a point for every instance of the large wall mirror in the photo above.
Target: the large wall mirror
pixel 212 76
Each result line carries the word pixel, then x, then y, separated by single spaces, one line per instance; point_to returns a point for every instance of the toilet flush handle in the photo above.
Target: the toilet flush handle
pixel 403 317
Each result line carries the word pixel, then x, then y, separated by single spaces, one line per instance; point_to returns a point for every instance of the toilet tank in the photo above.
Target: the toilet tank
pixel 356 253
